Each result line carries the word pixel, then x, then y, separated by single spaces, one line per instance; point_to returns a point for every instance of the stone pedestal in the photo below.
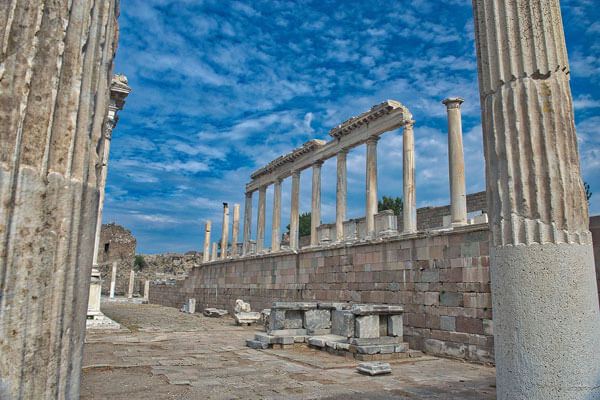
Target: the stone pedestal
pixel 95 293
pixel 456 163
pixel 545 301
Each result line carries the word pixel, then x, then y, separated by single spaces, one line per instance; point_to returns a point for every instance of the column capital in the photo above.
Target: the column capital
pixel 318 163
pixel 453 102
pixel 372 139
pixel 343 151
pixel 296 172
pixel 249 194
pixel 409 124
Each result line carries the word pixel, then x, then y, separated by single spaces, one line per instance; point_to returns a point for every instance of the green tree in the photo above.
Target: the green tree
pixel 304 224
pixel 588 191
pixel 388 203
pixel 139 262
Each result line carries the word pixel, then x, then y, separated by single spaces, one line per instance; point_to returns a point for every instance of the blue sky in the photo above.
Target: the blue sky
pixel 220 88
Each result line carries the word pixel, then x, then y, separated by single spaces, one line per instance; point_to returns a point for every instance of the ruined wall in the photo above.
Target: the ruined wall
pixel 441 279
pixel 595 229
pixel 116 244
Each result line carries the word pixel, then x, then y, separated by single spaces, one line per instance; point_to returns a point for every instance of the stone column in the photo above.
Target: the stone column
pixel 276 226
pixel 213 255
pixel 260 225
pixel 371 206
pixel 131 284
pixel 53 103
pixel 409 209
pixel 315 214
pixel 146 290
pixel 545 299
pixel 225 231
pixel 95 293
pixel 206 250
pixel 340 196
pixel 235 231
pixel 247 223
pixel 113 280
pixel 456 163
pixel 295 210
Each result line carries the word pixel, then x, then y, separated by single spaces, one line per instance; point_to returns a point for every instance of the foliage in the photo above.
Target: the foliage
pixel 219 244
pixel 304 225
pixel 139 262
pixel 387 203
pixel 588 191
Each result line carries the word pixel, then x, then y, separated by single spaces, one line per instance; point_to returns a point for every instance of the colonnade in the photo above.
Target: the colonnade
pixel 457 191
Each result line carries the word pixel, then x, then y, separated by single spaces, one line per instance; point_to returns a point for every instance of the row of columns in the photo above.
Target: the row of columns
pixel 207 254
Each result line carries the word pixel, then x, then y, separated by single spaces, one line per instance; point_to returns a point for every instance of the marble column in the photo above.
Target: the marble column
pixel 235 231
pixel 206 250
pixel 53 104
pixel 260 225
pixel 545 299
pixel 213 254
pixel 295 211
pixel 456 163
pixel 340 196
pixel 146 290
pixel 371 175
pixel 315 214
pixel 276 226
pixel 113 280
pixel 409 209
pixel 247 223
pixel 225 231
pixel 131 284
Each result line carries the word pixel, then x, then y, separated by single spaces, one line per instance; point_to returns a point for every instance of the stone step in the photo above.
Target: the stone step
pixel 255 344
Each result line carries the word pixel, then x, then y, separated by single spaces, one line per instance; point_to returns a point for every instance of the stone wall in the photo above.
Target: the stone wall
pixel 441 279
pixel 595 229
pixel 116 244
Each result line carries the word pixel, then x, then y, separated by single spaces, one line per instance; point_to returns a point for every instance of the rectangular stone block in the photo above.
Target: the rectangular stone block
pixel 395 325
pixel 317 319
pixel 276 319
pixel 288 332
pixel 342 323
pixel 448 323
pixel 451 299
pixel 293 320
pixel 367 326
pixel 375 341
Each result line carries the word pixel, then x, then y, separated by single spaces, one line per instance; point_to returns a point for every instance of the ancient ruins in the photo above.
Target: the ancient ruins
pixel 532 263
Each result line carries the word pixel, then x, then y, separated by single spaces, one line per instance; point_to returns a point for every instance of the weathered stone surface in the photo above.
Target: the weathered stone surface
pixel 190 306
pixel 214 312
pixel 286 305
pixel 246 317
pixel 451 299
pixel 370 309
pixel 375 341
pixel 115 244
pixel 366 326
pixel 56 68
pixel 241 306
pixel 395 326
pixel 276 319
pixel 264 338
pixel 255 344
pixel 342 323
pixel 288 332
pixel 293 320
pixel 317 319
pixel 448 323
pixel 374 368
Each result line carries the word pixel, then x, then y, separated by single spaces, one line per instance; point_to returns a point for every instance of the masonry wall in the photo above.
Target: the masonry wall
pixel 116 244
pixel 595 229
pixel 441 279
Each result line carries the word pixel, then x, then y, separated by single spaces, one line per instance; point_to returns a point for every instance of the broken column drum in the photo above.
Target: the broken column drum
pixel 545 299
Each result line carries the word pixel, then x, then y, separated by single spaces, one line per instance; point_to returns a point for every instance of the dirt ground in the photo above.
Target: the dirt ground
pixel 167 354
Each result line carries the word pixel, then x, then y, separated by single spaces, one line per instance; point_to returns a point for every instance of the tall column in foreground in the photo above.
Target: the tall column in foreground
pixel 340 196
pixel 206 250
pixel 315 214
pixel 247 223
pixel 260 225
pixel 235 230
pixel 56 71
pixel 545 299
pixel 276 223
pixel 456 163
pixel 225 231
pixel 295 210
pixel 371 206
pixel 409 208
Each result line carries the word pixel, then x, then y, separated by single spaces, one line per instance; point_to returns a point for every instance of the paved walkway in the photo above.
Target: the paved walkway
pixel 167 354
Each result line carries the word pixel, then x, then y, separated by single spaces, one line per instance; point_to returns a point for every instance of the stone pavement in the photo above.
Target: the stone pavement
pixel 167 354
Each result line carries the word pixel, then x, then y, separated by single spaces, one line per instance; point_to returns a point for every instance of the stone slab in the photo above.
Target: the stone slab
pixel 366 326
pixel 246 317
pixel 318 332
pixel 383 340
pixel 317 319
pixel 370 309
pixel 374 368
pixel 214 312
pixel 288 332
pixel 334 306
pixel 255 344
pixel 293 305
pixel 342 323
pixel 395 325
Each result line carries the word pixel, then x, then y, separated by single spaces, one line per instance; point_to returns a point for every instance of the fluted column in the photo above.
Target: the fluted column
pixel 340 196
pixel 545 299
pixel 260 225
pixel 276 223
pixel 235 230
pixel 409 208
pixel 371 175
pixel 57 62
pixel 456 163
pixel 315 214
pixel 247 223
pixel 213 254
pixel 295 210
pixel 206 250
pixel 225 231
